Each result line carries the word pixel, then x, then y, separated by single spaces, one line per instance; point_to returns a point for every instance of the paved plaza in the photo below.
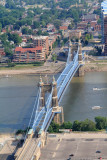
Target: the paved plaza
pixel 81 146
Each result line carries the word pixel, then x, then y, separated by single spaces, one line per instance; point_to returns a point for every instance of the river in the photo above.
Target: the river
pixel 18 93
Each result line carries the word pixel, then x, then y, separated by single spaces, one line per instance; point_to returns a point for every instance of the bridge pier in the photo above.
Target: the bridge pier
pixel 59 117
pixel 80 72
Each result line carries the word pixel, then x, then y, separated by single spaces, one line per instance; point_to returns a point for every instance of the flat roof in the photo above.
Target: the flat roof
pixel 40 37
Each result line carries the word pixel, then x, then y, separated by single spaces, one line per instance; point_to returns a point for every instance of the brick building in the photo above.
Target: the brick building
pixel 63 28
pixel 41 41
pixel 82 25
pixel 29 54
pixel 97 28
pixel 93 23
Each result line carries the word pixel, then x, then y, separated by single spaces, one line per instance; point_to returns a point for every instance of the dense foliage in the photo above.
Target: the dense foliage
pixel 86 125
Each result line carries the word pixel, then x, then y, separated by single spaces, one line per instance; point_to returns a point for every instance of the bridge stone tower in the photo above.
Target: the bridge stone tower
pixel 42 97
pixel 59 115
pixel 80 53
pixel 81 68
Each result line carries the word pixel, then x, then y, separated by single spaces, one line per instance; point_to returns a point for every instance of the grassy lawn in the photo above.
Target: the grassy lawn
pixel 99 61
pixel 17 67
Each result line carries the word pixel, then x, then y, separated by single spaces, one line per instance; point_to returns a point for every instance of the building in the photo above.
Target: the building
pixel 104 24
pixel 82 25
pixel 52 39
pixel 63 28
pixel 90 17
pixel 93 24
pixel 75 33
pixel 41 41
pixel 97 28
pixel 29 54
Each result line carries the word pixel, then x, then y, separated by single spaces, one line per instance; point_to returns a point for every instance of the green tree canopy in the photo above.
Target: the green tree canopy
pixel 101 122
pixel 15 37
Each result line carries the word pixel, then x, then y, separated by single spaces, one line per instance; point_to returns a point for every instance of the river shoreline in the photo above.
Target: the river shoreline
pixel 53 69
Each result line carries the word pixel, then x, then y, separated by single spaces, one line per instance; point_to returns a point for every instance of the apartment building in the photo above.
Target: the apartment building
pixel 41 41
pixel 29 54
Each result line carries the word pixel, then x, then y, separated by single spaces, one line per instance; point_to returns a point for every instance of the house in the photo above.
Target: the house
pixel 63 28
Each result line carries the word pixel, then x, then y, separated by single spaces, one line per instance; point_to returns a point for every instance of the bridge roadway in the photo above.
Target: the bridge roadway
pixel 44 115
pixel 28 149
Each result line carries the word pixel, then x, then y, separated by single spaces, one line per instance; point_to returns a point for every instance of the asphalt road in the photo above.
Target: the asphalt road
pixel 81 148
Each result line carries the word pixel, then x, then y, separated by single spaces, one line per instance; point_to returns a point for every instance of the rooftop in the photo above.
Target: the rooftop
pixel 20 49
pixel 40 37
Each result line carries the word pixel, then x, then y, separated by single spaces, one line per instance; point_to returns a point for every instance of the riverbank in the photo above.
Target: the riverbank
pixel 6 137
pixel 95 67
pixel 52 68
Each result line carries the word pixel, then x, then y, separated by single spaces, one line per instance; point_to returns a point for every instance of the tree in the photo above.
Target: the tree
pixel 76 126
pixel 36 24
pixel 99 36
pixel 43 23
pixel 101 122
pixel 88 125
pixel 39 33
pixel 70 26
pixel 25 30
pixel 8 52
pixel 15 37
pixel 57 23
pixel 66 125
pixel 54 57
pixel 54 127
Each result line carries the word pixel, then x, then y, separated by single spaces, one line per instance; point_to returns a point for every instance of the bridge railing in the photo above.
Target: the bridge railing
pixel 38 103
pixel 38 118
pixel 68 76
pixel 47 117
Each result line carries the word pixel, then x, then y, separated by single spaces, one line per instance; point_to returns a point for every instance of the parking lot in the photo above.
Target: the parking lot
pixel 75 148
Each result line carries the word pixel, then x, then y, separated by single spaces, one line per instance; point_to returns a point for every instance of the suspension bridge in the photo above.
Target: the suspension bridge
pixel 45 112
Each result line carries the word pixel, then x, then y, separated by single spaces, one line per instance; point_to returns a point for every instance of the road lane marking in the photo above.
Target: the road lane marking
pixel 57 146
pixel 54 154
